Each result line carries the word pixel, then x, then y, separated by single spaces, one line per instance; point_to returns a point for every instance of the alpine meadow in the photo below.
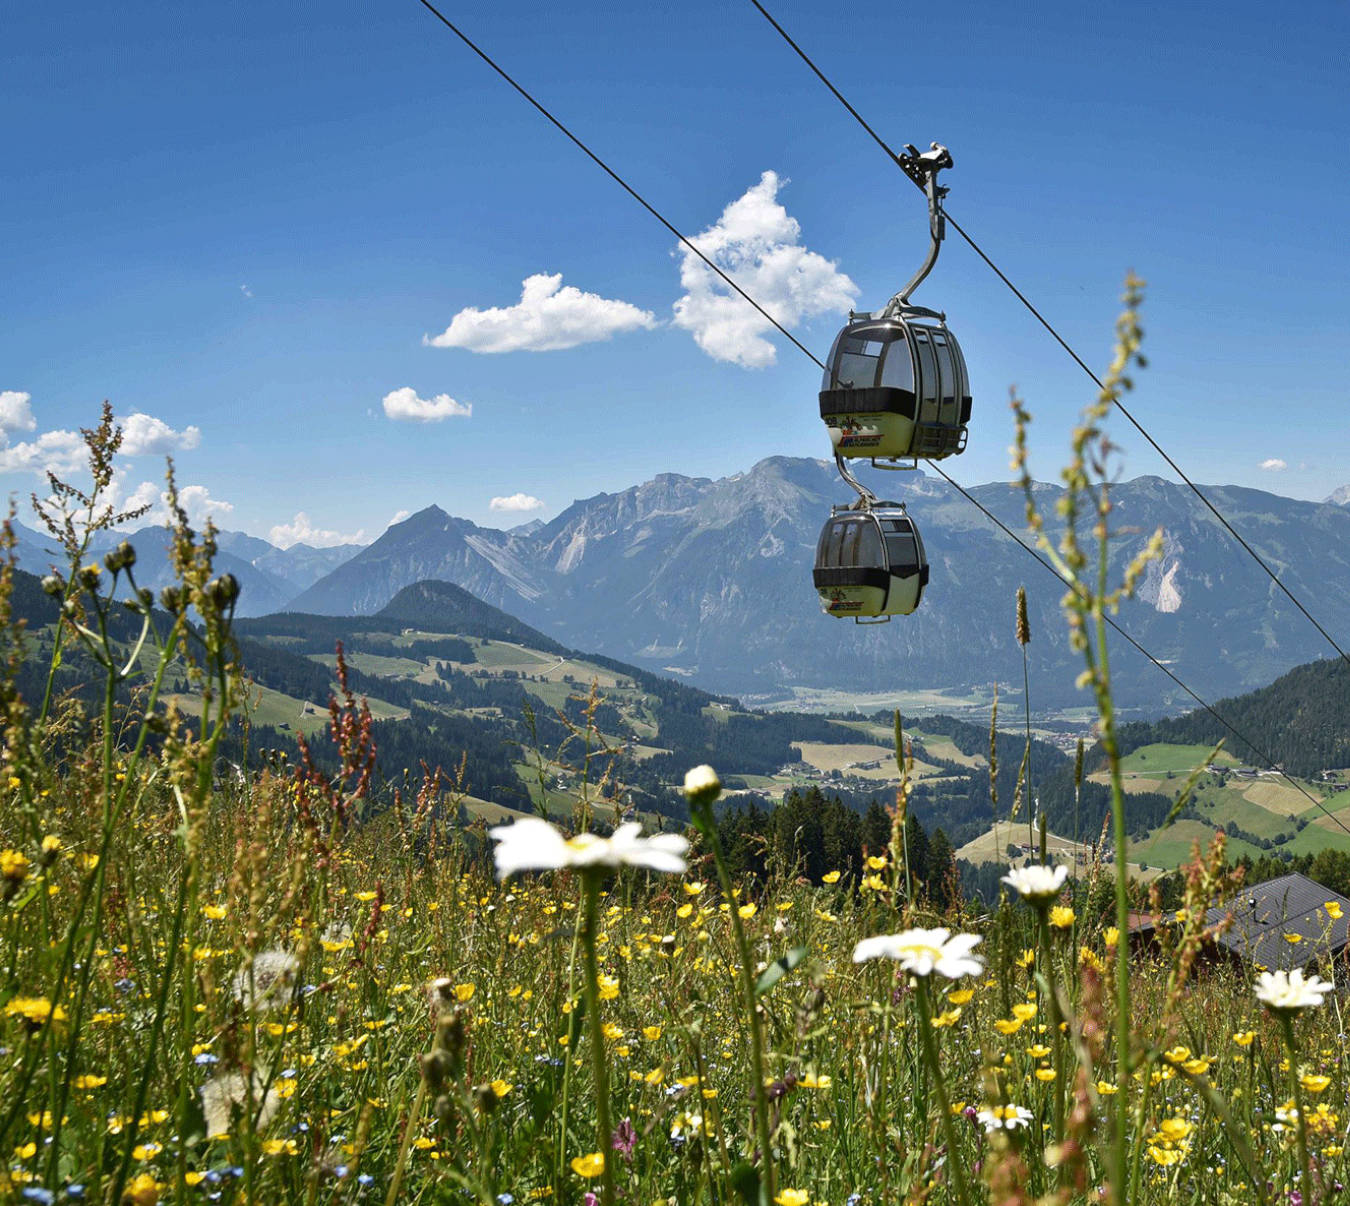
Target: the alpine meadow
pixel 786 821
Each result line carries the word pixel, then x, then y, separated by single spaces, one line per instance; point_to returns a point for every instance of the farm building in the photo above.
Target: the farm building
pixel 1281 924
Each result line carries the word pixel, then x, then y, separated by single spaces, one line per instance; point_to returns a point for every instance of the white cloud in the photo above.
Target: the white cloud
pixel 195 500
pixel 147 494
pixel 55 451
pixel 145 435
pixel 756 243
pixel 548 317
pixel 1274 465
pixel 15 413
pixel 246 291
pixel 199 505
pixel 516 502
pixel 398 517
pixel 403 405
pixel 302 531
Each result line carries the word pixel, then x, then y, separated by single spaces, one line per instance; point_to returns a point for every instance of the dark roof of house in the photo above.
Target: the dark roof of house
pixel 1293 904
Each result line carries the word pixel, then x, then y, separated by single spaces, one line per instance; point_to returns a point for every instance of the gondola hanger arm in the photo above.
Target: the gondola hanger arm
pixel 923 168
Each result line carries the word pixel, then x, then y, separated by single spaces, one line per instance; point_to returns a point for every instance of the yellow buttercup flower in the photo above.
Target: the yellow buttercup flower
pixel 830 877
pixel 1333 909
pixel 792 1197
pixel 589 1166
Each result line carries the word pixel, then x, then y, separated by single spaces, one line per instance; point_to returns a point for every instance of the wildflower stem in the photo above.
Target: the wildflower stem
pixel 590 888
pixel 930 1055
pixel 1101 678
pixel 768 1188
pixel 1048 987
pixel 1296 1092
pixel 409 1130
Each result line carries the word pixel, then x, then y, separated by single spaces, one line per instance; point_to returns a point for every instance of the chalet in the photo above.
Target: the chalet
pixel 1280 924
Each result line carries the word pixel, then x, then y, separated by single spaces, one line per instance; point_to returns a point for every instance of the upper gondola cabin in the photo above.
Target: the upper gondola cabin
pixel 896 387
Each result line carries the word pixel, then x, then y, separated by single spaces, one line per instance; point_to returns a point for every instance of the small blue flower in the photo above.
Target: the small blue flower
pixel 75 1191
pixel 205 1059
pixel 365 1179
pixel 341 1171
pixel 505 1199
pixel 35 1193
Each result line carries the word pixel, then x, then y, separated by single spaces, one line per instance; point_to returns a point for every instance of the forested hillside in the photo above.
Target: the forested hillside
pixel 1300 722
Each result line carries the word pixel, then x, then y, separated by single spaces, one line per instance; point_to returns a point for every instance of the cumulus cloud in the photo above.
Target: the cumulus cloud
pixel 53 451
pixel 302 531
pixel 1274 465
pixel 398 517
pixel 548 317
pixel 145 435
pixel 15 413
pixel 147 494
pixel 516 502
pixel 195 500
pixel 61 451
pixel 403 405
pixel 757 244
pixel 199 505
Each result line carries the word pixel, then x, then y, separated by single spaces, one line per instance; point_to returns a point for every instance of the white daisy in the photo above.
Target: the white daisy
pixel 1288 992
pixel 701 785
pixel 923 952
pixel 532 844
pixel 1037 884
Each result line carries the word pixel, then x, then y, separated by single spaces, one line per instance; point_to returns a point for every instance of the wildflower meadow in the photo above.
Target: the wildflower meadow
pixel 240 982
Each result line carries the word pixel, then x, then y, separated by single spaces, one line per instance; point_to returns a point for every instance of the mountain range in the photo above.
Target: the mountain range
pixel 270 577
pixel 710 580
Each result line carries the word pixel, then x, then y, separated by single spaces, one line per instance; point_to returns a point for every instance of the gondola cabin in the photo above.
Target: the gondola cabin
pixel 896 387
pixel 870 563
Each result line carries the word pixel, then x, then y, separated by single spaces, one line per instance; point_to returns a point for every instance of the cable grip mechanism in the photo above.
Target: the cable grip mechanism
pixel 923 167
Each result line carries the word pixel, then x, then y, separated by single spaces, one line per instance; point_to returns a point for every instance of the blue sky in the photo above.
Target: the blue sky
pixel 241 223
